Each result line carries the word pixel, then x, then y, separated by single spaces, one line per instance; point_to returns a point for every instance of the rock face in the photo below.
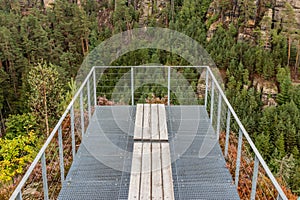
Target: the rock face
pixel 268 91
pixel 213 27
pixel 278 16
pixel 246 33
pixel 47 2
pixel 149 7
pixel 280 8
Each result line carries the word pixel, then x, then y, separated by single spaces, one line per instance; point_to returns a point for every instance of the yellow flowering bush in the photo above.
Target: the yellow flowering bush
pixel 15 154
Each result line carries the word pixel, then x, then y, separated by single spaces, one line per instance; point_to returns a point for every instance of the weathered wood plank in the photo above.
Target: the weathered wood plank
pixel 146 122
pixel 138 128
pixel 154 122
pixel 157 192
pixel 151 173
pixel 145 190
pixel 162 122
pixel 135 176
pixel 167 172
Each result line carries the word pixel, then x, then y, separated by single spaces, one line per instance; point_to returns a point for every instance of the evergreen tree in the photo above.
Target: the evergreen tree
pixel 45 94
pixel 285 85
pixel 280 146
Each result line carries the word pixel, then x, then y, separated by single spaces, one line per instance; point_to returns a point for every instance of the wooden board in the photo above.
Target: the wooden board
pixel 146 123
pixel 135 176
pixel 162 122
pixel 154 122
pixel 138 128
pixel 151 172
pixel 157 192
pixel 145 190
pixel 167 171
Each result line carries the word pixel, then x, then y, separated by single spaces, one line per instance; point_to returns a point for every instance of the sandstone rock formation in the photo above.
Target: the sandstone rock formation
pixel 268 91
pixel 280 8
pixel 275 14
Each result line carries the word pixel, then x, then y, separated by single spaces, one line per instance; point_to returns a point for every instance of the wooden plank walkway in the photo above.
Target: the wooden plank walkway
pixel 151 173
pixel 150 123
pixel 104 164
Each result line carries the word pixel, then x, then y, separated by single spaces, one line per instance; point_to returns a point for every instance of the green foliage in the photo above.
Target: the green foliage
pixel 190 19
pixel 295 184
pixel 3 77
pixel 72 88
pixel 20 125
pixel 279 144
pixel 246 101
pixel 286 165
pixel 285 84
pixel 128 15
pixel 281 124
pixel 15 154
pixel 262 143
pixel 45 93
pixel 295 94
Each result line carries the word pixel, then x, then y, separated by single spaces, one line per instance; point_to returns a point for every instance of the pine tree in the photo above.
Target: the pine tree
pixel 280 146
pixel 45 93
pixel 284 80
pixel 262 142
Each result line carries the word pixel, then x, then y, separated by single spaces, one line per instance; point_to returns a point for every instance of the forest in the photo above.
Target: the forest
pixel 42 45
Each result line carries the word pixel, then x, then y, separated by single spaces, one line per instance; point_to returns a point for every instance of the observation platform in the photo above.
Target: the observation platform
pixel 104 154
pixel 103 163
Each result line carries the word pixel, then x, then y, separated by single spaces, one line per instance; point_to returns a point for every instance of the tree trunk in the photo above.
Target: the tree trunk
pixel 11 70
pixel 297 60
pixel 82 46
pixel 273 14
pixel 2 127
pixel 87 44
pixel 289 50
pixel 258 11
pixel 46 109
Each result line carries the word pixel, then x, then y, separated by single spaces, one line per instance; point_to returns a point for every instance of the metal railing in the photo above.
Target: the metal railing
pixel 243 136
pixel 83 106
pixel 80 111
pixel 166 81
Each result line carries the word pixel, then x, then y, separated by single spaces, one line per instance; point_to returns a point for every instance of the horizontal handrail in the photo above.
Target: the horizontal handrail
pixel 49 139
pixel 150 66
pixel 249 140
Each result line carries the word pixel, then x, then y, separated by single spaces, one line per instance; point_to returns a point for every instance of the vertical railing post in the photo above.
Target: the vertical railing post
pixel 206 88
pixel 212 101
pixel 44 175
pixel 219 114
pixel 238 158
pixel 61 155
pixel 81 113
pixel 19 196
pixel 72 131
pixel 132 87
pixel 89 99
pixel 169 84
pixel 279 197
pixel 254 178
pixel 95 86
pixel 227 132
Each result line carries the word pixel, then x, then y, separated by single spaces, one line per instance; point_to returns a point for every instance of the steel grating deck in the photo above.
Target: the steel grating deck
pixel 101 169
